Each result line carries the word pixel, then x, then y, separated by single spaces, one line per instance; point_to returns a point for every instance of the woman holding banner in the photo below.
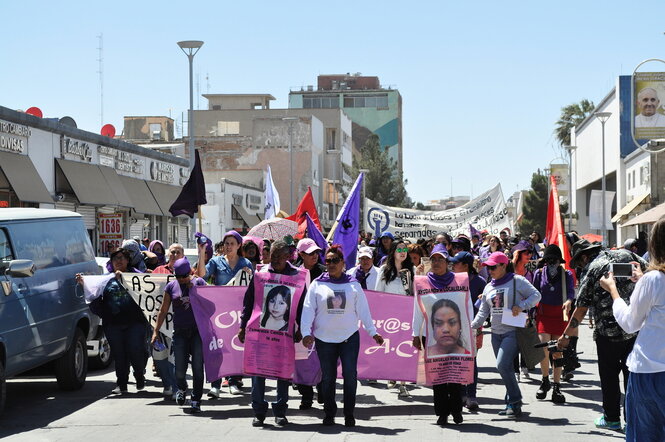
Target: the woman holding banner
pixel 334 305
pixel 439 329
pixel 506 297
pixel 396 276
pixel 220 270
pixel 186 339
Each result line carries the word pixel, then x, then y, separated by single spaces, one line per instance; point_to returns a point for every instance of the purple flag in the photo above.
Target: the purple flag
pixel 315 234
pixel 348 223
pixel 474 232
pixel 193 193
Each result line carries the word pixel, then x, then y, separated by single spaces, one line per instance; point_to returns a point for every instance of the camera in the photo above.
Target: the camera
pixel 569 361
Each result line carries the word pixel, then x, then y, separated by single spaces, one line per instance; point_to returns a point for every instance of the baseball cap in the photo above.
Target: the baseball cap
pixel 439 249
pixel 365 252
pixel 182 267
pixel 307 245
pixel 496 258
pixel 463 257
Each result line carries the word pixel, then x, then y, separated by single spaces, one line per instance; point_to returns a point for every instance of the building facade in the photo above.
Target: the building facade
pixel 120 189
pixel 372 108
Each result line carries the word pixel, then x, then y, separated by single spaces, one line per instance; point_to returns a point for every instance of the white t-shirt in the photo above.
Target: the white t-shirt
pixel 371 278
pixel 331 311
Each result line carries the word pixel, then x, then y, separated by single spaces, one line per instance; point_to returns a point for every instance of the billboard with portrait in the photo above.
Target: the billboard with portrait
pixel 648 105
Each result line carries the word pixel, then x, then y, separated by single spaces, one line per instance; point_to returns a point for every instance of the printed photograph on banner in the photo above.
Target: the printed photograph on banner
pixel 448 325
pixel 276 307
pixel 649 105
pixel 336 301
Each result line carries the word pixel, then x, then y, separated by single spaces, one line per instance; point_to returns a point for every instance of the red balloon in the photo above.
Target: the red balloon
pixel 37 112
pixel 108 130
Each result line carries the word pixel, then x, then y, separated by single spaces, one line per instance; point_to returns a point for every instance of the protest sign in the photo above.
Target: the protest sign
pixel 486 212
pixel 449 345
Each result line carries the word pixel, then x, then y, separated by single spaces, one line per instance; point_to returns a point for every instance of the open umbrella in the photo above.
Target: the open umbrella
pixel 274 228
pixel 592 237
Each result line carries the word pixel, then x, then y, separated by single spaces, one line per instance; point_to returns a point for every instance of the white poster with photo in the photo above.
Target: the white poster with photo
pixel 487 211
pixel 596 210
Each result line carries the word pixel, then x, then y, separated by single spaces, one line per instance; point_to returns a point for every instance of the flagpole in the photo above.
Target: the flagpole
pixel 200 220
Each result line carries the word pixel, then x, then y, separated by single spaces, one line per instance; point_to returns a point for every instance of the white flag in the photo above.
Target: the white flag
pixel 272 197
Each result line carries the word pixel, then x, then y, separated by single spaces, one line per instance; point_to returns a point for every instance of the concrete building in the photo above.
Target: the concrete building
pixel 239 132
pixel 633 174
pixel 371 107
pixel 45 163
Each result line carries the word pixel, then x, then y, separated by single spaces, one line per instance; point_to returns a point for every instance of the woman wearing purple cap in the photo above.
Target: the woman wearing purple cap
pixel 220 270
pixel 506 291
pixel 186 338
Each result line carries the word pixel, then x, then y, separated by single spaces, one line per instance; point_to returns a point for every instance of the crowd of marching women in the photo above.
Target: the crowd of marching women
pixel 513 285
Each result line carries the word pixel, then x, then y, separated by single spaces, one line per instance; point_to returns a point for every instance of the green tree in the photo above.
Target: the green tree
pixel 534 209
pixel 383 183
pixel 571 116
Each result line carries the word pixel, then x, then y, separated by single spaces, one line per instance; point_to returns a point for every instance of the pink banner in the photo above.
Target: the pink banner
pixel 217 313
pixel 396 359
pixel 269 346
pixel 449 344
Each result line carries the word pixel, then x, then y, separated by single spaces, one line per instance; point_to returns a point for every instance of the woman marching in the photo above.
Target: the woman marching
pixel 396 276
pixel 506 291
pixel 556 286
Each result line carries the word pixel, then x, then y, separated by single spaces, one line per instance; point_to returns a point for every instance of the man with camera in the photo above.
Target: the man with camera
pixel 612 343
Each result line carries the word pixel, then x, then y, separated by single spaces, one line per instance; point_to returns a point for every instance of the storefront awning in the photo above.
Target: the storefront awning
pixel 116 186
pixel 648 217
pixel 250 220
pixel 164 194
pixel 87 182
pixel 24 178
pixel 628 208
pixel 142 199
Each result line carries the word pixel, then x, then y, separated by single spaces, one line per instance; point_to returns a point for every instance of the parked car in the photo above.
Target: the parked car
pixel 43 314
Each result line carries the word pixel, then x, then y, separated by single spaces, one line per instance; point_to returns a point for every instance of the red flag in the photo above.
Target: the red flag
pixel 306 206
pixel 554 233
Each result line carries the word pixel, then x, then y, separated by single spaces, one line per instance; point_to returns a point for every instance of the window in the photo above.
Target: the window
pixel 228 128
pixel 331 135
pixel 379 101
pixel 5 248
pixel 327 102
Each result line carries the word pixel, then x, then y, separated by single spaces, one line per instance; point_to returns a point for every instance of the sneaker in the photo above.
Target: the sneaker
pixel 372 382
pixel 514 411
pixel 180 397
pixel 305 405
pixel 457 418
pixel 214 393
pixel 168 391
pixel 349 421
pixel 391 384
pixel 601 422
pixel 258 420
pixel 525 373
pixel 195 407
pixel 328 421
pixel 281 421
pixel 557 397
pixel 472 404
pixel 234 390
pixel 567 376
pixel 119 390
pixel 544 388
pixel 140 383
pixel 442 420
pixel 504 412
pixel 403 392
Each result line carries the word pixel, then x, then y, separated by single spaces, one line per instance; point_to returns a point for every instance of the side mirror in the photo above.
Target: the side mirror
pixel 21 268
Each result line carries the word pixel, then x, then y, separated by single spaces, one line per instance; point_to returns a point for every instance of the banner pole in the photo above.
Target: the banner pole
pixel 200 220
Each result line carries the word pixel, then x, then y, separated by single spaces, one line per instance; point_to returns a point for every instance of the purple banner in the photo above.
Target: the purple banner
pixel 217 312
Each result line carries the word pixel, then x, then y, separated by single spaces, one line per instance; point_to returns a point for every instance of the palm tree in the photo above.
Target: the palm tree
pixel 571 116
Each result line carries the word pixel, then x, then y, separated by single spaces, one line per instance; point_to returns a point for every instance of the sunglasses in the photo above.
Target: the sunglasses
pixel 333 260
pixel 493 267
pixel 404 250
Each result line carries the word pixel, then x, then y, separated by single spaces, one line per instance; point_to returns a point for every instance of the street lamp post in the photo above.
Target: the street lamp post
pixel 291 121
pixel 570 150
pixel 603 117
pixel 364 202
pixel 190 48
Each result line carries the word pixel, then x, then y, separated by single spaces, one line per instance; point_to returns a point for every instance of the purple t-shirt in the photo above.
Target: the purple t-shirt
pixel 183 316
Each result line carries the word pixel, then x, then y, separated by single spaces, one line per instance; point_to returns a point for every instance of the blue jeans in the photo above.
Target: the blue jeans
pixel 329 353
pixel 645 408
pixel 186 343
pixel 127 342
pixel 505 349
pixel 259 404
pixel 166 372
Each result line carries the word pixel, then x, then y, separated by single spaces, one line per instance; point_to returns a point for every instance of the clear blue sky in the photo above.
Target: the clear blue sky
pixel 482 82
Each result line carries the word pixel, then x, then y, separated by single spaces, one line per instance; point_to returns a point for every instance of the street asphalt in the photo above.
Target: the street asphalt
pixel 36 410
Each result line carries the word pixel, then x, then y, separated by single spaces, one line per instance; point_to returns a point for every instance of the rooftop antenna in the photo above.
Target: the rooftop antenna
pixel 100 48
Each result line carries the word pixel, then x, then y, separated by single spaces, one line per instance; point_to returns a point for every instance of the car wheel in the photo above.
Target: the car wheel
pixel 72 367
pixel 103 358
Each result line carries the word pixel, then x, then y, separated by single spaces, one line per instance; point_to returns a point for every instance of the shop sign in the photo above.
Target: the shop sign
pixel 122 161
pixel 162 172
pixel 14 137
pixel 109 232
pixel 77 149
